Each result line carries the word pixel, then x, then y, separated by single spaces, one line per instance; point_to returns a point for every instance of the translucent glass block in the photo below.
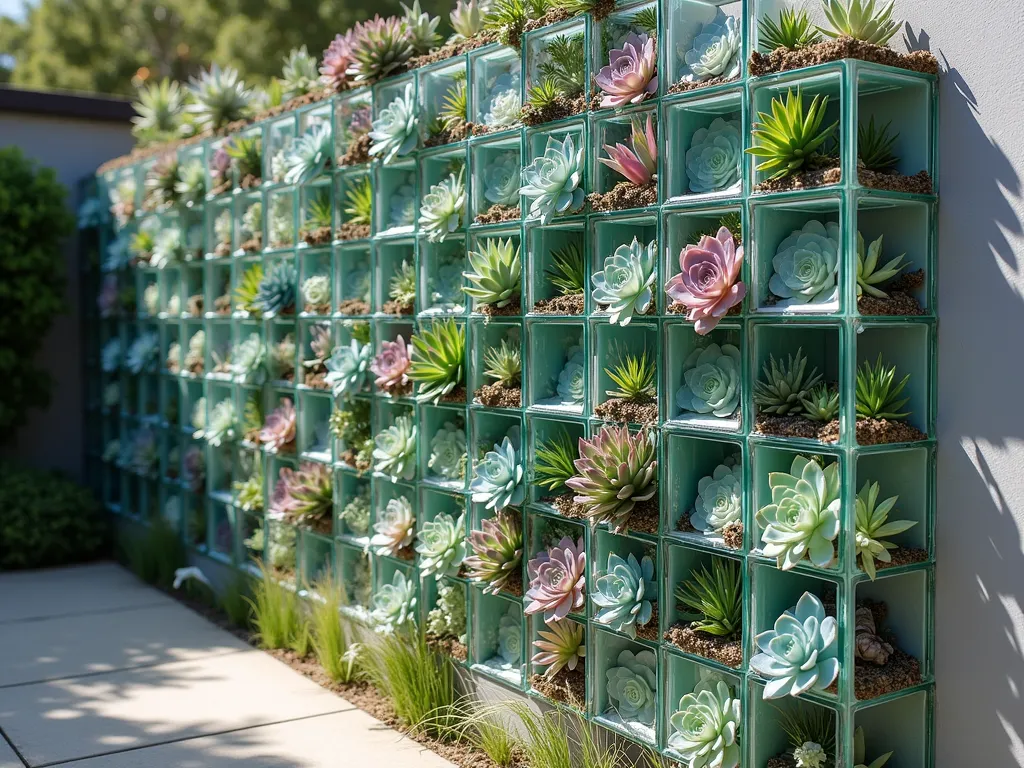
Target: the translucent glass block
pixel 615 234
pixel 220 227
pixel 689 26
pixel 313 441
pixel 442 90
pixel 396 202
pixel 192 291
pixel 248 223
pixel 245 175
pixel 278 136
pixel 317 214
pixel 218 349
pixel 317 559
pixel 543 433
pixel 766 735
pixel 497 643
pixel 546 284
pixel 612 346
pixel 900 726
pixel 489 429
pixel 611 130
pixel 566 686
pixel 387 91
pixel 384 571
pixel 353 112
pixel 315 282
pixel 353 509
pixel 441 268
pixel 317 339
pixel 251 535
pixel 220 171
pixel 546 532
pixel 221 536
pixel 558 136
pixel 487 340
pixel 353 572
pixel 353 279
pixel 446 619
pixel 613 652
pixel 685 398
pixel 280 550
pixel 558 54
pixel 495 88
pixel 556 367
pixel 353 195
pixel 701 126
pixel 443 430
pixel 497 237
pixel 279 219
pixel 494 191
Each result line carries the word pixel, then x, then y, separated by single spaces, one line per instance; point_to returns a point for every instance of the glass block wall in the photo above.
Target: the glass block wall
pixel 199 403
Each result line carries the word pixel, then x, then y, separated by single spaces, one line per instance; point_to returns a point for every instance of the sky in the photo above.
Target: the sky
pixel 13 8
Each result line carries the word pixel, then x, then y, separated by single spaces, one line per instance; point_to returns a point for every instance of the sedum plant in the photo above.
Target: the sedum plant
pixel 394 130
pixel 158 111
pixel 634 377
pixel 806 265
pixel 790 136
pixel 878 394
pixel 448 452
pixel 793 30
pixel 504 363
pixel 625 594
pixel 632 686
pixel 719 501
pixel 347 368
pixel 438 357
pixel 873 528
pixel 278 433
pixel 441 212
pixel 553 180
pixel 277 294
pixel 639 163
pixel 497 551
pixel 802 520
pixel 391 366
pixel 498 477
pixel 299 75
pixel 800 653
pixel 501 180
pixel 441 546
pixel 871 273
pixel 394 452
pixel 783 385
pixel 309 155
pixel 715 51
pixel 706 727
pixel 716 596
pixel 553 462
pixel 394 605
pixel 859 19
pixel 560 645
pixel 557 580
pixel 496 273
pixel 395 528
pixel 631 74
pixel 625 284
pixel 218 97
pixel 715 156
pixel 568 270
pixel 711 381
pixel 708 283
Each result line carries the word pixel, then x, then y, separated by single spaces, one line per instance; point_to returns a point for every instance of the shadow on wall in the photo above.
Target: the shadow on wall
pixel 980 574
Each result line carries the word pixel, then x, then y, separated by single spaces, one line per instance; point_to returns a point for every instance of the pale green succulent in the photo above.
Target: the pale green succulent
pixel 422 28
pixel 802 520
pixel 402 207
pixel 501 180
pixel 316 290
pixel 168 248
pixel 858 19
pixel 191 184
pixel 219 97
pixel 394 130
pixel 356 514
pixel 719 501
pixel 711 381
pixel 715 51
pixel 510 637
pixel 394 605
pixel 221 423
pixel 394 450
pixel 159 111
pixel 632 686
pixel 441 545
pixel 715 157
pixel 252 222
pixel 448 616
pixel 309 155
pixel 443 205
pixel 281 227
pixel 395 528
pixel 784 384
pixel 467 18
pixel 870 273
pixel 300 74
pixel 553 180
pixel 348 368
pixel 572 377
pixel 806 265
pixel 706 727
pixel 800 653
pixel 498 479
pixel 873 528
pixel 222 227
pixel 496 273
pixel 448 452
pixel 625 286
pixel 625 594
pixel 810 754
pixel 199 417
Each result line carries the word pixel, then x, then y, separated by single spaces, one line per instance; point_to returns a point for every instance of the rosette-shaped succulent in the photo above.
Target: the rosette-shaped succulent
pixel 626 283
pixel 394 605
pixel 800 653
pixel 497 551
pixel 441 545
pixel 639 164
pixel 552 181
pixel 806 265
pixel 316 290
pixel 145 454
pixel 150 298
pixel 857 19
pixel 719 499
pixel 395 528
pixel 498 479
pixel 276 294
pixel 448 452
pixel 559 646
pixel 708 283
pixel 510 637
pixel 142 352
pixel 196 355
pixel 220 424
pixel 422 27
pixel 467 19
pixel 557 580
pixel 802 519
pixel 191 184
pixel 496 272
pixel 706 728
pixel 219 96
pixel 633 686
pixel 391 366
pixel 347 368
pixel 811 754
pixel 402 207
pixel 631 74
pixel 193 469
pixel 309 155
pixel 714 158
pixel 448 616
pixel 158 110
pixel 785 385
pixel 625 593
pixel 501 180
pixel 504 109
pixel 572 377
pixel 715 51
pixel 617 471
pixel 394 130
pixel 441 212
pixel 336 61
pixel 711 381
pixel 278 432
pixel 304 494
pixel 873 528
pixel 168 248
pixel 394 451
pixel 379 47
pixel 299 75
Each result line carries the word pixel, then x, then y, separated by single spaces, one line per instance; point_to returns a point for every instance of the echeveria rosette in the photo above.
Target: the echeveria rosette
pixel 501 180
pixel 505 107
pixel 715 156
pixel 625 593
pixel 394 130
pixel 142 352
pixel 394 605
pixel 347 368
pixel 395 528
pixel 278 433
pixel 715 51
pixel 719 499
pixel 497 551
pixel 220 424
pixel 441 212
pixel 394 452
pixel 706 728
pixel 802 519
pixel 309 155
pixel 391 366
pixel 441 545
pixel 806 265
pixel 711 381
pixel 559 646
pixel 626 283
pixel 708 283
pixel 448 452
pixel 557 580
pixel 277 294
pixel 801 653
pixel 572 378
pixel 632 686
pixel 304 494
pixel 498 479
pixel 631 74
pixel 552 181
pixel 510 637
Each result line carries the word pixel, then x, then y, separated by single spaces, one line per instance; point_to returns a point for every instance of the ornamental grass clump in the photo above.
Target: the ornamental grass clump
pixel 713 599
pixel 438 360
pixel 332 637
pixel 497 553
pixel 553 462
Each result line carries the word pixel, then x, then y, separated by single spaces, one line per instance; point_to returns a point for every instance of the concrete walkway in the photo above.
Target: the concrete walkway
pixel 98 670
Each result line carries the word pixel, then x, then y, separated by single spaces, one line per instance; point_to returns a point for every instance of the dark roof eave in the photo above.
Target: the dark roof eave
pixel 63 104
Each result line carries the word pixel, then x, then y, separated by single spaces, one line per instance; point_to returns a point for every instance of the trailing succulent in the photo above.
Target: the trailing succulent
pixel 394 452
pixel 711 381
pixel 800 653
pixel 708 283
pixel 498 479
pixel 625 594
pixel 625 285
pixel 497 551
pixel 553 180
pixel 557 580
pixel 802 520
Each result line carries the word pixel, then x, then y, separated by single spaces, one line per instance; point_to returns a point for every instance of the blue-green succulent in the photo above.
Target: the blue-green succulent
pixel 309 155
pixel 394 130
pixel 625 593
pixel 277 294
pixel 553 180
pixel 632 686
pixel 443 205
pixel 625 287
pixel 498 480
pixel 441 545
pixel 800 653
pixel 394 605
pixel 711 381
pixel 348 368
pixel 501 180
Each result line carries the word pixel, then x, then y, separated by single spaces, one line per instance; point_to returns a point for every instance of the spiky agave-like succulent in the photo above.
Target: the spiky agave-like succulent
pixel 438 357
pixel 633 376
pixel 359 202
pixel 873 528
pixel 391 366
pixel 631 74
pixel 395 528
pixel 498 477
pixel 559 646
pixel 278 433
pixel 878 394
pixel 784 384
pixel 790 136
pixel 402 286
pixel 299 75
pixel 394 131
pixel 557 580
pixel 793 30
pixel 347 368
pixel 394 605
pixel 716 596
pixel 467 18
pixel 821 403
pixel 168 248
pixel 161 182
pixel 568 270
pixel 276 294
pixel 802 519
pixel 191 184
pixel 552 181
pixel 441 545
pixel 504 363
pixel 448 452
pixel 625 593
pixel 304 494
pixel 441 212
pixel 309 155
pixel 219 97
pixel 870 273
pixel 356 514
pixel 626 283
pixel 394 452
pixel 859 20
pixel 158 110
pixel 616 471
pixel 497 551
pixel 246 154
pixel 553 462
pixel 422 27
pixel 248 288
pixel 496 273
pixel 706 727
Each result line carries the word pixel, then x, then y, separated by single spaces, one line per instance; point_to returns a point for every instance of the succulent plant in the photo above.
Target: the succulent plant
pixel 708 283
pixel 299 75
pixel 379 48
pixel 626 282
pixel 448 616
pixel 158 111
pixel 276 295
pixel 870 273
pixel 858 19
pixel 347 368
pixel 878 396
pixel 632 686
pixel 625 594
pixel 780 391
pixel 438 357
pixel 441 545
pixel 395 528
pixel 510 637
pixel 316 290
pixel 496 272
pixel 122 200
pixel 572 378
pixel 282 357
pixel 221 423
pixel 633 375
pixel 337 59
pixel 391 366
pixel 443 205
pixel 246 154
pixel 802 519
pixel 568 270
pixel 356 514
pixel 639 164
pixel 249 492
pixel 800 653
pixel 394 451
pixel 402 287
pixel 448 452
pixel 142 352
pixel 320 345
pixel 422 28
pixel 453 108
pixel 631 74
pixel 711 381
pixel 190 188
pixel 719 499
pixel 793 30
pixel 714 52
pixel 402 207
pixel 715 157
pixel 199 416
pixel 394 605
pixel 278 433
pixel 168 248
pixel 219 97
pixel 145 455
pixel 706 728
pixel 716 596
pixel 162 181
pixel 394 130
pixel 359 202
pixel 252 222
pixel 874 146
pixel 553 462
pixel 806 265
pixel 553 180
pixel 222 227
pixel 504 363
pixel 557 580
pixel 789 137
pixel 304 494
pixel 497 551
pixel 498 477
pixel 616 471
pixel 309 155
pixel 560 645
pixel 196 355
pixel 873 528
pixel 504 107
pixel 467 19
pixel 501 180
pixel 821 404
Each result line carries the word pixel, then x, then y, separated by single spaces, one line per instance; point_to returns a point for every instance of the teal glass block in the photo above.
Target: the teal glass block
pixel 496 85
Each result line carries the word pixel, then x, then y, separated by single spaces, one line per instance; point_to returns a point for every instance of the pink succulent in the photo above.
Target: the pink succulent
pixel 391 366
pixel 278 431
pixel 107 299
pixel 708 283
pixel 631 74
pixel 557 580
pixel 220 164
pixel 639 163
pixel 337 59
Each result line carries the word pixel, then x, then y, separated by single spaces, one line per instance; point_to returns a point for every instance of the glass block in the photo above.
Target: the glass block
pixel 899 726
pixel 611 652
pixel 709 130
pixel 611 32
pixel 217 298
pixel 702 377
pixel 497 645
pixel 614 235
pixel 444 459
pixel 690 26
pixel 317 559
pixel 551 289
pixel 315 282
pixel 446 622
pixel 251 535
pixel 316 228
pixel 542 434
pixel 495 165
pixel 392 331
pixel 613 346
pixel 352 566
pixel 613 190
pixel 313 440
pixel 353 195
pixel 686 226
pixel 441 266
pixel 279 216
pixel 218 349
pixel 496 88
pixel 394 277
pixel 396 201
pixel 278 136
pixel 609 549
pixel 487 342
pixel 766 735
pixel 221 537
pixel 557 54
pixel 353 279
pixel 443 94
pixel 682 676
pixel 387 91
pixel 497 237
pixel 557 378
pixel 353 508
pixel 248 217
pixel 566 686
pixel 556 137
pixel 353 112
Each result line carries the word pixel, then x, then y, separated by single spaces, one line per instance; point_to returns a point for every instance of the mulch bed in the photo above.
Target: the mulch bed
pixel 553 16
pixel 560 108
pixel 353 307
pixel 727 652
pixel 452 49
pixel 628 411
pixel 498 396
pixel 511 309
pixel 316 309
pixel 624 195
pixel 571 304
pixel 352 231
pixel 900 300
pixel 683 86
pixel 797 426
pixel 498 213
pixel 781 59
pixel 882 431
pixel 569 686
pixel 452 132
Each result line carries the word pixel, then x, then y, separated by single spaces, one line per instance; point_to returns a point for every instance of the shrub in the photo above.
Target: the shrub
pixel 34 221
pixel 47 519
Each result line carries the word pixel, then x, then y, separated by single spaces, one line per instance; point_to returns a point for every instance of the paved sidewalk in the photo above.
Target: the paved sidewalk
pixel 98 670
